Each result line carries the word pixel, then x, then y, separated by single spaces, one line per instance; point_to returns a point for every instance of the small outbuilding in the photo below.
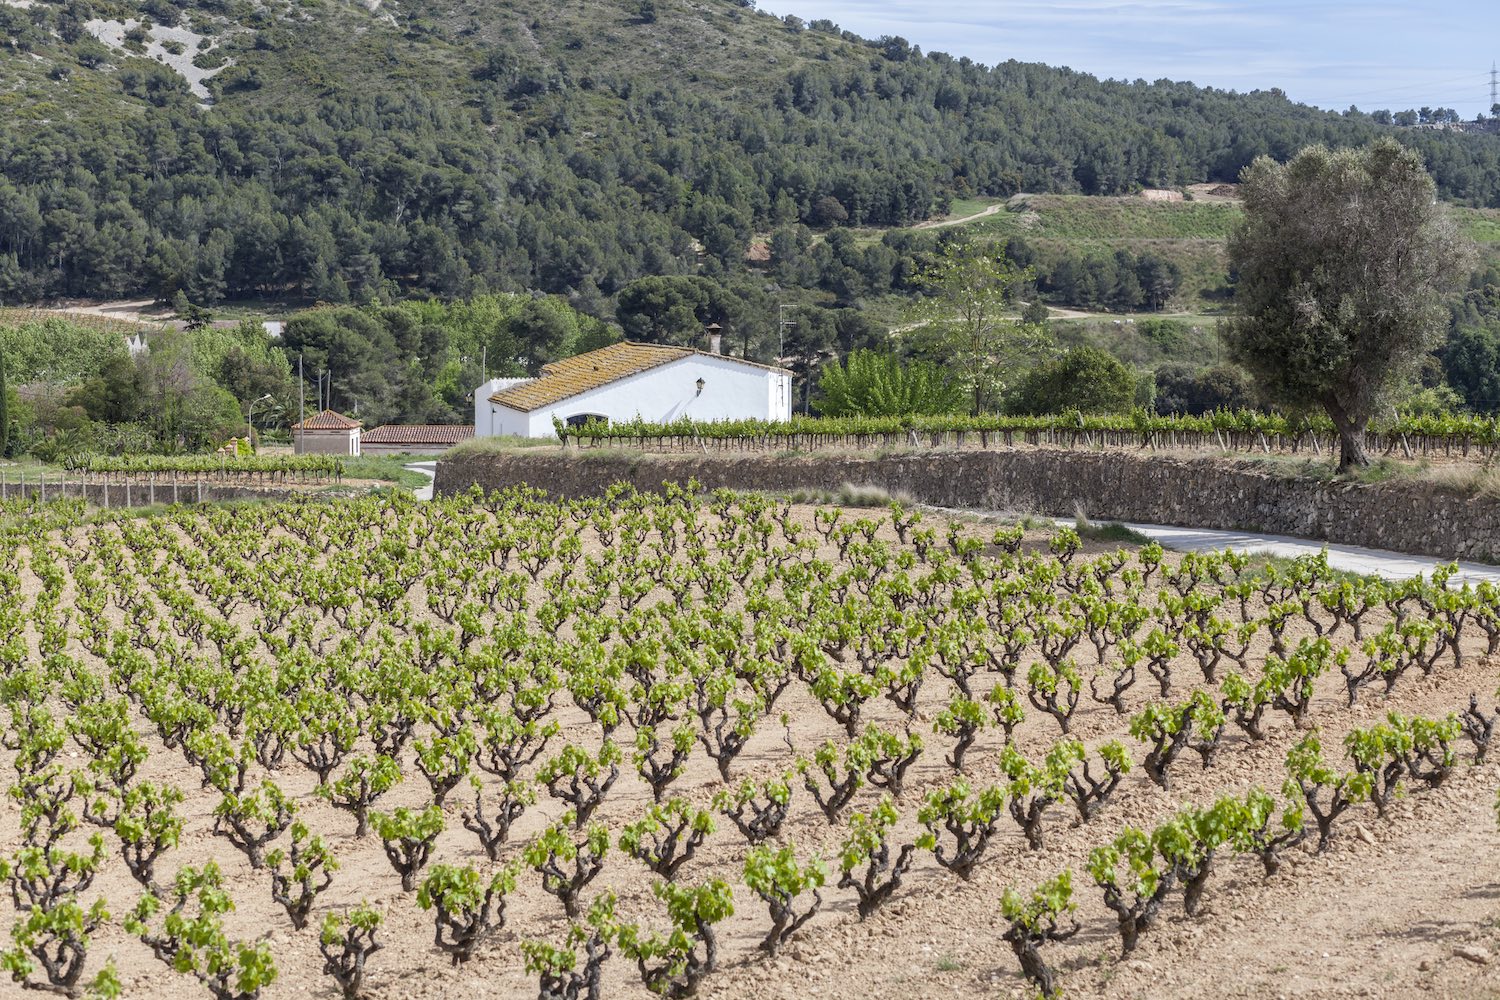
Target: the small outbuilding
pixel 413 439
pixel 629 381
pixel 326 433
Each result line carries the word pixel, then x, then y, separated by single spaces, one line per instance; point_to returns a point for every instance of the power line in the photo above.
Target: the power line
pixel 1414 87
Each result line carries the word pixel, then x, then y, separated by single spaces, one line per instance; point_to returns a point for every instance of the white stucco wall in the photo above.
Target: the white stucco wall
pixel 485 419
pixel 669 392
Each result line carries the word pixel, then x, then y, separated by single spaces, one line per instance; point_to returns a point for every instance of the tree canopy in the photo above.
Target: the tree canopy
pixel 967 291
pixel 1085 379
pixel 1342 260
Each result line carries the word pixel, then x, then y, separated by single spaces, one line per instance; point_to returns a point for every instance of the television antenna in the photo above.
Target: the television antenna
pixel 783 325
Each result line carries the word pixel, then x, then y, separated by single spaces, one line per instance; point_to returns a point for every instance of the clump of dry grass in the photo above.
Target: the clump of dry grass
pixel 1469 480
pixel 855 495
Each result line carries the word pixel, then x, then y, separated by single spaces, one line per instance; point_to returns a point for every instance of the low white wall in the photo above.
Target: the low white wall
pixel 485 412
pixel 326 442
pixel 402 449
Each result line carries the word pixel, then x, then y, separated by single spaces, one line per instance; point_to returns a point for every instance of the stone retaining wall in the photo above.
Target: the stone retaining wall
pixel 1413 517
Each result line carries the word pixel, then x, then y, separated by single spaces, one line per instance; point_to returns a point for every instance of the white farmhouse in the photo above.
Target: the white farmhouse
pixel 630 381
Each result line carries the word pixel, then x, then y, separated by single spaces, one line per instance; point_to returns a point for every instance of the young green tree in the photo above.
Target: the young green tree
pixel 968 290
pixel 875 384
pixel 1342 260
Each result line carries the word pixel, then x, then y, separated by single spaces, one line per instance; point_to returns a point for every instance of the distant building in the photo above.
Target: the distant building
pixel 413 439
pixel 327 433
pixel 630 381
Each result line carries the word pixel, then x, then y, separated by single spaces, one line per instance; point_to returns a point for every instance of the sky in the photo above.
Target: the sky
pixel 1332 54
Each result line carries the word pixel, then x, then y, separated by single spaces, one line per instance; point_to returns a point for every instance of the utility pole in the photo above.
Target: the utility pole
pixel 1494 86
pixel 301 405
pixel 250 419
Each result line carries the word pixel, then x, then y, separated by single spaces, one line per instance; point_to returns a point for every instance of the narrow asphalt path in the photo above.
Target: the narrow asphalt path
pixel 428 469
pixel 1350 558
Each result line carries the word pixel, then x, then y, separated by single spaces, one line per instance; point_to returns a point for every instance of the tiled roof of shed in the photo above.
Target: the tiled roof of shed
pixel 328 420
pixel 572 376
pixel 418 434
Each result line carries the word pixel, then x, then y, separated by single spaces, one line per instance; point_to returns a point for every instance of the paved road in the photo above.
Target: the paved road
pixel 428 469
pixel 1351 558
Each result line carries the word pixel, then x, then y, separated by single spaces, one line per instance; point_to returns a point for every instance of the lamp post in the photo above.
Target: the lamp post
pixel 250 419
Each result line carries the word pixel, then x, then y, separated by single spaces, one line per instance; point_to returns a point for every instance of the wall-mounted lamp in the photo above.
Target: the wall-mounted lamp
pixel 700 386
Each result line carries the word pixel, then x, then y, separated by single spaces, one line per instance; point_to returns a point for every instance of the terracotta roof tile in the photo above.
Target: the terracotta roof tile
pixel 572 376
pixel 418 434
pixel 328 420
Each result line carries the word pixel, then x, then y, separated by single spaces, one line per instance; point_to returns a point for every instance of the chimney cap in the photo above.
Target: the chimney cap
pixel 714 328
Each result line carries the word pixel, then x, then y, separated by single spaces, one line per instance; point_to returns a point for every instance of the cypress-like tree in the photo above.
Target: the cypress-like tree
pixel 4 408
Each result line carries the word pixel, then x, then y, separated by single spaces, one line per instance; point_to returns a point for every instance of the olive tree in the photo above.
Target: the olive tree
pixel 1342 258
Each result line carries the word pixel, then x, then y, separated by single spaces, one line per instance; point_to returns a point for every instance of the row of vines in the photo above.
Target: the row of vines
pixel 1407 436
pixel 258 468
pixel 526 711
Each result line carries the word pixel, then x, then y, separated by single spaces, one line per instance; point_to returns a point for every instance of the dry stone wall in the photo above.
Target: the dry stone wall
pixel 1404 516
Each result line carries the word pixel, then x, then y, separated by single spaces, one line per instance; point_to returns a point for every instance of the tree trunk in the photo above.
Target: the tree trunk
pixel 1352 453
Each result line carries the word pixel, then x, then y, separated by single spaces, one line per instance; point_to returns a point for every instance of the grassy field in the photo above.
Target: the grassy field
pixel 1191 234
pixel 1077 218
pixel 1482 225
pixel 962 208
pixel 1082 219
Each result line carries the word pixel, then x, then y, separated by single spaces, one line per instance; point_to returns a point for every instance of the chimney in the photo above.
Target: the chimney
pixel 715 338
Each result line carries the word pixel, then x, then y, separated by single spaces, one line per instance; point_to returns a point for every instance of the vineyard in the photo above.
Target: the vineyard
pixel 219 468
pixel 1242 431
pixel 687 744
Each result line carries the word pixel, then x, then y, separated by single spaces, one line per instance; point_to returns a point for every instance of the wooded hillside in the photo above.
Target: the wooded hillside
pixel 336 151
